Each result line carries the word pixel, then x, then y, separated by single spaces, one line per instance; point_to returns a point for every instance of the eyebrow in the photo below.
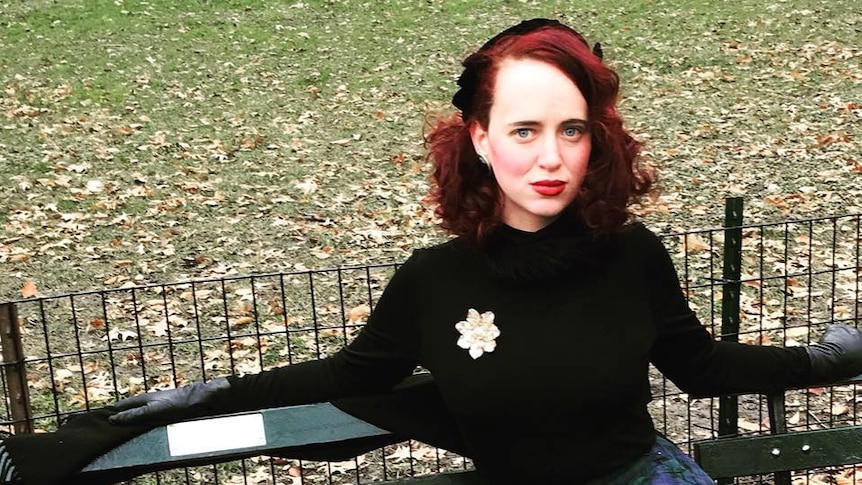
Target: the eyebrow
pixel 531 123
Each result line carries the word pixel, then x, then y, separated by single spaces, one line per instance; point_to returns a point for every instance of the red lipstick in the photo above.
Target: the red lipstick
pixel 549 187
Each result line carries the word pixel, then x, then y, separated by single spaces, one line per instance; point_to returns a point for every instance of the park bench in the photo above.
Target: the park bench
pixel 281 431
pixel 781 451
pixel 274 432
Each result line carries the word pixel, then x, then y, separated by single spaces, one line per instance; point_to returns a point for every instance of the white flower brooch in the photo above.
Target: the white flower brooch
pixel 478 333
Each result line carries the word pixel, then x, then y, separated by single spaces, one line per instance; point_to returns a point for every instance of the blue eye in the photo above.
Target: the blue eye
pixel 523 132
pixel 572 131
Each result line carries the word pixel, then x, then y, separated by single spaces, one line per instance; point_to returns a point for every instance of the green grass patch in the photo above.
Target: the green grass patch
pixel 294 128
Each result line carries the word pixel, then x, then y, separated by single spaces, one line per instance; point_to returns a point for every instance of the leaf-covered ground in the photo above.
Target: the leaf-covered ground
pixel 166 140
pixel 159 141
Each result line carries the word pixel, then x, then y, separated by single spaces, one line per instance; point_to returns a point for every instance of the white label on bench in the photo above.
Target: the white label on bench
pixel 216 434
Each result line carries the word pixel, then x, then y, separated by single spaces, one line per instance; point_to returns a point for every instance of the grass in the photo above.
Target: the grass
pixel 264 135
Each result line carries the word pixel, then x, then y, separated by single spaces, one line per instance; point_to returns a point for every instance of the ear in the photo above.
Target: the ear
pixel 479 136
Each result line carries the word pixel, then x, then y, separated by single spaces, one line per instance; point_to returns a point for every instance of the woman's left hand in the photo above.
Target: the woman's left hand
pixel 837 355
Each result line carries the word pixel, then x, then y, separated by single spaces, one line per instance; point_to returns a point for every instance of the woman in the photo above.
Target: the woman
pixel 540 318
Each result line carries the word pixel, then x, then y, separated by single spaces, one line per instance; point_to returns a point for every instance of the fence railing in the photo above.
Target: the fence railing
pixel 769 284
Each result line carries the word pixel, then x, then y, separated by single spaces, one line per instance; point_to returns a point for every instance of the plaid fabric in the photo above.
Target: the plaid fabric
pixel 8 473
pixel 665 464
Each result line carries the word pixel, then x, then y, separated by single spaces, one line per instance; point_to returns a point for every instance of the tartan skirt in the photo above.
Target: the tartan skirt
pixel 664 464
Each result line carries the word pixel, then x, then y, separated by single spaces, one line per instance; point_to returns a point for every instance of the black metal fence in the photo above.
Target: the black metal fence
pixel 768 284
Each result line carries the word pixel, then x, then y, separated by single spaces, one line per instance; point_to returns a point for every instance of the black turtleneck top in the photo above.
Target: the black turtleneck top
pixel 562 398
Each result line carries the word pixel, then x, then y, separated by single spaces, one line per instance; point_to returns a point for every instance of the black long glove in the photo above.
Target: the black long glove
pixel 837 355
pixel 193 401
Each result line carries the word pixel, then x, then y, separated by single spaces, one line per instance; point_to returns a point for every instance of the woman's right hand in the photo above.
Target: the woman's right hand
pixel 193 401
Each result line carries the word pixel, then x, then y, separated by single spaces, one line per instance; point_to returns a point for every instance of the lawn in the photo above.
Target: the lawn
pixel 154 142
pixel 161 141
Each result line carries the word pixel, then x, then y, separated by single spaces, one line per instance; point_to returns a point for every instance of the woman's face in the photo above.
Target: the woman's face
pixel 536 142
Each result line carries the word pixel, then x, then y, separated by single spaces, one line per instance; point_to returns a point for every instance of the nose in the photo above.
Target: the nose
pixel 550 158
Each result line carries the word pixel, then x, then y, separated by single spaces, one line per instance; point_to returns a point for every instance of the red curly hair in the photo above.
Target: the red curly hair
pixel 466 196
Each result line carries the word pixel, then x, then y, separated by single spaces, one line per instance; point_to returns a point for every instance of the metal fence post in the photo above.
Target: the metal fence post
pixel 15 371
pixel 728 410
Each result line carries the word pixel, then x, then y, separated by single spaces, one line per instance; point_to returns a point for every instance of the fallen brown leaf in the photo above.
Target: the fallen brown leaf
pixel 358 314
pixel 29 290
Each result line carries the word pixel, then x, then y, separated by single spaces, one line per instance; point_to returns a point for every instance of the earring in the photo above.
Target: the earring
pixel 483 161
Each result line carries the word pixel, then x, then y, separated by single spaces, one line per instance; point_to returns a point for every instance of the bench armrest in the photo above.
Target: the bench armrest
pixel 294 431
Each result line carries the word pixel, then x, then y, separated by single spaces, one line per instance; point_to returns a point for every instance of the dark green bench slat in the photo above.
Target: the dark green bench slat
pixel 288 427
pixel 755 455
